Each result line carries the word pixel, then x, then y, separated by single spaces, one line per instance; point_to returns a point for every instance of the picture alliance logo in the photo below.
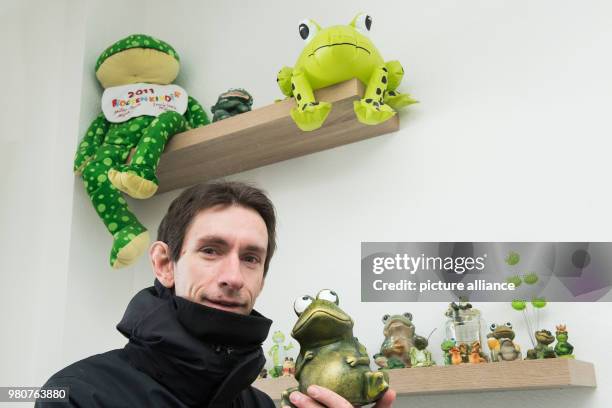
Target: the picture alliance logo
pixel 414 264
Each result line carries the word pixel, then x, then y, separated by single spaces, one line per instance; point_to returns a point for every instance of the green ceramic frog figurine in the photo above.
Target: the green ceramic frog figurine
pixel 231 103
pixel 563 349
pixel 446 347
pixel 501 343
pixel 336 54
pixel 330 356
pixel 399 339
pixel 542 349
pixel 277 352
pixel 419 355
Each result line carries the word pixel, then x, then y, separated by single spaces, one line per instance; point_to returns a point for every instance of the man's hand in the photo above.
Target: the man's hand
pixel 322 397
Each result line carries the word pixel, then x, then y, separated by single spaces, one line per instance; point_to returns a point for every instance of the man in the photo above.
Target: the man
pixel 194 338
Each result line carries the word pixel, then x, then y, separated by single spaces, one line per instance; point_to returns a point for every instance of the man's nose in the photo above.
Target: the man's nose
pixel 230 276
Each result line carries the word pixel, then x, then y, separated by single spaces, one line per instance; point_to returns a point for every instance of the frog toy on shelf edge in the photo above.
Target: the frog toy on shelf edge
pixel 231 103
pixel 330 356
pixel 563 349
pixel 141 110
pixel 419 355
pixel 277 352
pixel 336 54
pixel 501 343
pixel 399 339
pixel 542 349
pixel 446 347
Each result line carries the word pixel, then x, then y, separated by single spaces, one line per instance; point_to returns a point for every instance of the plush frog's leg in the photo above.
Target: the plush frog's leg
pixel 283 80
pixel 308 114
pixel 130 237
pixel 392 97
pixel 91 141
pixel 371 110
pixel 376 383
pixel 285 402
pixel 138 178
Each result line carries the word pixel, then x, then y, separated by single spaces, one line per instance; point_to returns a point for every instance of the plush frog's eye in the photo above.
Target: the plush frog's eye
pixel 308 29
pixel 363 23
pixel 327 294
pixel 301 304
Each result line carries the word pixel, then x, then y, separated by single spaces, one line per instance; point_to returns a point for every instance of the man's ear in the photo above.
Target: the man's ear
pixel 163 267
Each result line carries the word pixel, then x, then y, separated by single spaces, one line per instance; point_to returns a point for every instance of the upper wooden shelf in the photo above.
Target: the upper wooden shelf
pixel 503 376
pixel 263 136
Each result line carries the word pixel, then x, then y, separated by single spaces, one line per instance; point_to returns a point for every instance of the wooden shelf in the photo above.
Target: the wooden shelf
pixel 503 376
pixel 263 136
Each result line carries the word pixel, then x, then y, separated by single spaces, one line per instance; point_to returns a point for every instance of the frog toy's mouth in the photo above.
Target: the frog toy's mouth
pixel 504 333
pixel 325 324
pixel 357 47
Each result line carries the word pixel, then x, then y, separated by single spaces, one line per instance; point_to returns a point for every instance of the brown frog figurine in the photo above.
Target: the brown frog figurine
pixel 399 339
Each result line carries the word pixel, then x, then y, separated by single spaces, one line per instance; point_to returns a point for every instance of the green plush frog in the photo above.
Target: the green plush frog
pixel 336 54
pixel 330 356
pixel 141 111
pixel 542 349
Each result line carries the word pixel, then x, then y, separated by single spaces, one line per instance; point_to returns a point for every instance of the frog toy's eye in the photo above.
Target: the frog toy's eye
pixel 327 294
pixel 385 318
pixel 301 304
pixel 509 325
pixel 308 29
pixel 493 327
pixel 363 23
pixel 408 316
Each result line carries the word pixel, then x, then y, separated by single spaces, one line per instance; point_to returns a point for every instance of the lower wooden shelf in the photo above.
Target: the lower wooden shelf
pixel 503 376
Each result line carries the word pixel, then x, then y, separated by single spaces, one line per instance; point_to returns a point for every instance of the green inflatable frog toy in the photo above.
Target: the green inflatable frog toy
pixel 141 111
pixel 330 356
pixel 336 54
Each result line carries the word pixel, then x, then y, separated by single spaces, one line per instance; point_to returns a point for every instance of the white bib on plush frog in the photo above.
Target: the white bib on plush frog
pixel 122 103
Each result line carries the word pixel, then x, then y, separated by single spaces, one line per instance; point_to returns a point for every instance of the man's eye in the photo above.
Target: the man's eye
pixel 251 259
pixel 209 251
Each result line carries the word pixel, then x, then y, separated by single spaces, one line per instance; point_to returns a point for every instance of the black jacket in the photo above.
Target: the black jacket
pixel 180 354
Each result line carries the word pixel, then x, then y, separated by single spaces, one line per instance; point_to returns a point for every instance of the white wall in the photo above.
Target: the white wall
pixel 510 142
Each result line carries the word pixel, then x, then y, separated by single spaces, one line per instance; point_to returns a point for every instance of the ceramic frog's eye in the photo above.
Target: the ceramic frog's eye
pixel 385 318
pixel 493 327
pixel 408 316
pixel 509 325
pixel 327 294
pixel 308 29
pixel 363 23
pixel 301 304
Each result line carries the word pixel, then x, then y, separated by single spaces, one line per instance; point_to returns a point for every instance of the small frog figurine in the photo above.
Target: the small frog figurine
pixel 336 54
pixel 399 339
pixel 563 349
pixel 542 349
pixel 501 343
pixel 330 356
pixel 231 103
pixel 419 355
pixel 277 352
pixel 288 367
pixel 446 347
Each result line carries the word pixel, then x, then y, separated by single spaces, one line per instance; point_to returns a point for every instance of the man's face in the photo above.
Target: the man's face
pixel 222 259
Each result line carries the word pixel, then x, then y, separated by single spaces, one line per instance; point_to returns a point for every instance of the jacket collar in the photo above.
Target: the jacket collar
pixel 204 356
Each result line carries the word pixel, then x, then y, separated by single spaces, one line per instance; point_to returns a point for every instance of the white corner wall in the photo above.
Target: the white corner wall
pixel 509 143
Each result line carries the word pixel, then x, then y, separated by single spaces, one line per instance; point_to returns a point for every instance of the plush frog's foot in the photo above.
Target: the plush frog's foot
pixel 285 402
pixel 128 244
pixel 398 100
pixel 136 181
pixel 311 115
pixel 372 112
pixel 376 384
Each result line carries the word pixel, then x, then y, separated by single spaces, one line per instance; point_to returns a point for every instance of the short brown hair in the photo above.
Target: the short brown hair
pixel 200 197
